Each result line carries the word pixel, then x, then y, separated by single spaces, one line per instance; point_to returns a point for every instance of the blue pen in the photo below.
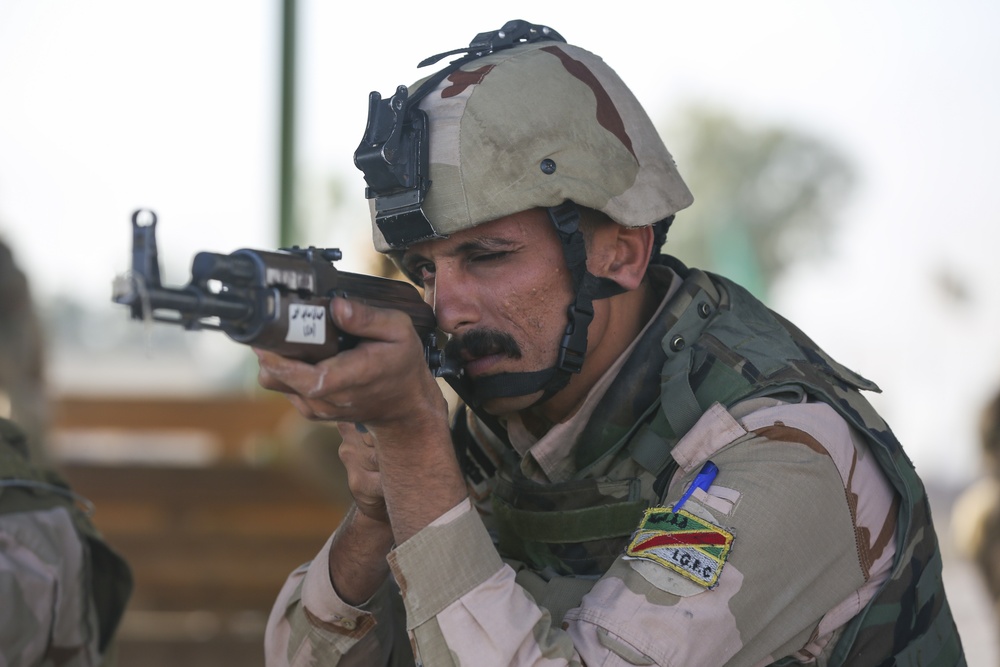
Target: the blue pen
pixel 702 481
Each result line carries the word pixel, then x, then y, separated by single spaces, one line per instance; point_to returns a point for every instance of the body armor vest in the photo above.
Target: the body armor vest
pixel 714 342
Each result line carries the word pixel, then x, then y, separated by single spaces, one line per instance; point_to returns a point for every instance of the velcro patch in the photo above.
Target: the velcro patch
pixel 692 547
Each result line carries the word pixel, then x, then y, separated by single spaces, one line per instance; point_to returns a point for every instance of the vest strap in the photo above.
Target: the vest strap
pixel 569 526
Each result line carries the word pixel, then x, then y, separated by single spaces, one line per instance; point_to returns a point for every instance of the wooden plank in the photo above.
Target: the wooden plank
pixel 220 538
pixel 236 422
pixel 184 486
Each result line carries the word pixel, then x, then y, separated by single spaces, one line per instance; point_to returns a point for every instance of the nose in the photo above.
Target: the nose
pixel 455 301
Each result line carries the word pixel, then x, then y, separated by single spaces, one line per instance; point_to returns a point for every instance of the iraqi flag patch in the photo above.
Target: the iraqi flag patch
pixel 692 547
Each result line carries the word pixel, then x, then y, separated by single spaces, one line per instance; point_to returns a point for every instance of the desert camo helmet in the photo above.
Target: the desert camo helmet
pixel 535 125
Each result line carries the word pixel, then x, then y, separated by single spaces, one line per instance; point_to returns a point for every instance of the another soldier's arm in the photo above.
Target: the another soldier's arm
pixel 46 607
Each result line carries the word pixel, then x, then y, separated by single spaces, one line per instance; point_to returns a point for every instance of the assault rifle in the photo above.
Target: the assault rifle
pixel 276 300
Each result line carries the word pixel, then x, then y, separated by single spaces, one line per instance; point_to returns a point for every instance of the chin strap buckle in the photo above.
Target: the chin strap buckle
pixel 574 342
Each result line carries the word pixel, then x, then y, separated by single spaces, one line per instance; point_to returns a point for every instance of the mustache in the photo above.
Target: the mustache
pixel 480 343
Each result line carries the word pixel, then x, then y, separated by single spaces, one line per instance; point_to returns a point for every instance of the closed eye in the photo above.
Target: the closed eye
pixel 489 257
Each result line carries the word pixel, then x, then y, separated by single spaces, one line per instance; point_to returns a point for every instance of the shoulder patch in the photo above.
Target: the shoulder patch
pixel 682 542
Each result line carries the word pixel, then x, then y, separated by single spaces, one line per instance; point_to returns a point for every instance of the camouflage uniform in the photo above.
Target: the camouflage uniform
pixel 63 590
pixel 814 543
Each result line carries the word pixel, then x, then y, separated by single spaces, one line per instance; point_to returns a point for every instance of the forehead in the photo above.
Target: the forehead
pixel 526 227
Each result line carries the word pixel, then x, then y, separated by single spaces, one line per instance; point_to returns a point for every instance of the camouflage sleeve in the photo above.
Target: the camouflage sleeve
pixel 47 615
pixel 310 625
pixel 463 606
pixel 790 542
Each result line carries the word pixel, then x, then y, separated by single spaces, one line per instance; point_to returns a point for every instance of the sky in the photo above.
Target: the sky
pixel 111 105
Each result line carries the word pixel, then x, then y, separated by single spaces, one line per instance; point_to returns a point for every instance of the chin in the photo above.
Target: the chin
pixel 503 407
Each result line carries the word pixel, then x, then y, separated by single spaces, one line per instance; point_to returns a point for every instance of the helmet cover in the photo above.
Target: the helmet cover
pixel 536 125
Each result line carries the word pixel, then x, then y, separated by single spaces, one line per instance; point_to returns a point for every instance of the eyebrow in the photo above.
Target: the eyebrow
pixel 478 243
pixel 484 243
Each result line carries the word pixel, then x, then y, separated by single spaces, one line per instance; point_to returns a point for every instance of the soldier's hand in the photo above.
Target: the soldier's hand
pixel 357 451
pixel 382 382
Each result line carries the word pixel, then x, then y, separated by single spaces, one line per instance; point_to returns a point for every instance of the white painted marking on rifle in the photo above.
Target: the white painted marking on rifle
pixel 306 324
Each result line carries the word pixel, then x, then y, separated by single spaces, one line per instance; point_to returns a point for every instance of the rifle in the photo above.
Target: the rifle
pixel 277 301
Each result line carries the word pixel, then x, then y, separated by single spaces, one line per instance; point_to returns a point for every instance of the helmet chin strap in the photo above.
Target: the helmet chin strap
pixel 587 287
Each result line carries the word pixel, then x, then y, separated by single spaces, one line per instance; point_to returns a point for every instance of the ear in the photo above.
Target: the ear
pixel 622 253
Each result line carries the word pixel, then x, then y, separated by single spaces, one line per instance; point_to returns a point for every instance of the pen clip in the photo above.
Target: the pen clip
pixel 703 480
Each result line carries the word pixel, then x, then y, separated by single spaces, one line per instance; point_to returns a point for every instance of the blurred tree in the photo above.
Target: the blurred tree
pixel 765 197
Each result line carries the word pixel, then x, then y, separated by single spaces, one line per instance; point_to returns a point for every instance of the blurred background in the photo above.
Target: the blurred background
pixel 842 157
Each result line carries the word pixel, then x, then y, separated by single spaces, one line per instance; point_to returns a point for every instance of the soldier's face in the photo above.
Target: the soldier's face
pixel 501 291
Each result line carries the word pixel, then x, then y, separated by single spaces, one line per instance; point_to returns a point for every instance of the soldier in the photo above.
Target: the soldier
pixel 649 466
pixel 62 589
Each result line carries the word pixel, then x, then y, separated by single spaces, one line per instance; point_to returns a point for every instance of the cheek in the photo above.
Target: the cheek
pixel 528 312
pixel 537 314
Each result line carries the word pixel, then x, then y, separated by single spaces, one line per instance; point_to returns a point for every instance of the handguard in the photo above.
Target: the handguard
pixel 277 301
